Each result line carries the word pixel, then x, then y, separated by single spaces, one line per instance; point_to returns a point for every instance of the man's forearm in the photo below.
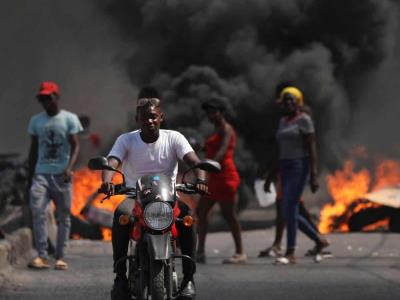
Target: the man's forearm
pixel 107 175
pixel 73 156
pixel 191 159
pixel 74 151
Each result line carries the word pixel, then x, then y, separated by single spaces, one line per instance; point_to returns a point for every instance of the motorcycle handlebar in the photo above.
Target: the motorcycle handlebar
pixel 187 188
pixel 120 189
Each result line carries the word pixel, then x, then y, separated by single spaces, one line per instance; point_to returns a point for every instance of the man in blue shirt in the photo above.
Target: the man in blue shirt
pixel 53 153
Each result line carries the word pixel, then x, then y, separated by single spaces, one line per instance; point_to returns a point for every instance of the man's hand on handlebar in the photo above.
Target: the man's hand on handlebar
pixel 201 186
pixel 107 188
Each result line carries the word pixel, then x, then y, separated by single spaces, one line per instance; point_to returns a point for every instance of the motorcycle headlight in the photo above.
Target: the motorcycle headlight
pixel 158 215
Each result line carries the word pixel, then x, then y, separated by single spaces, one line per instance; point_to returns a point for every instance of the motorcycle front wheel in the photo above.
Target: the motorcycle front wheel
pixel 157 288
pixel 138 273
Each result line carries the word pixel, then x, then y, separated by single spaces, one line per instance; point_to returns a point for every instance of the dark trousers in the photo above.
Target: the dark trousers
pixel 120 236
pixel 280 221
pixel 294 176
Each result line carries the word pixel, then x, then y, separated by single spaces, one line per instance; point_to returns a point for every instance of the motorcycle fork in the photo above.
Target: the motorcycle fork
pixel 170 276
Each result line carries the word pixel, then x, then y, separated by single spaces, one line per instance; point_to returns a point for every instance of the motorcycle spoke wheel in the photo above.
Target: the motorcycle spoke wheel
pixel 157 288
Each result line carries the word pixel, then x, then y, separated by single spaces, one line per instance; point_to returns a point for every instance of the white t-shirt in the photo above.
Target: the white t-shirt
pixel 139 158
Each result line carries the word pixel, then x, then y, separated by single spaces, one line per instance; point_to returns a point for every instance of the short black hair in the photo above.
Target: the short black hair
pixel 149 92
pixel 214 103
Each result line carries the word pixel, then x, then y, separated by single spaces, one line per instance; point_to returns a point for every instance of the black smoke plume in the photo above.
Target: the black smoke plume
pixel 343 55
pixel 70 42
pixel 241 50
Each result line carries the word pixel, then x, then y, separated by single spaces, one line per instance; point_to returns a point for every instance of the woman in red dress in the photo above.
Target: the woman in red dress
pixel 222 186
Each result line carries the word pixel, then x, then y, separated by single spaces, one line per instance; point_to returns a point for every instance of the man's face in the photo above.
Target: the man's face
pixel 149 119
pixel 49 103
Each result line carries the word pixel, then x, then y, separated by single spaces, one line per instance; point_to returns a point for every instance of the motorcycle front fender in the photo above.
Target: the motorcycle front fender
pixel 159 246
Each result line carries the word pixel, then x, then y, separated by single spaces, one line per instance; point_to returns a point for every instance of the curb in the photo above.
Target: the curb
pixel 16 245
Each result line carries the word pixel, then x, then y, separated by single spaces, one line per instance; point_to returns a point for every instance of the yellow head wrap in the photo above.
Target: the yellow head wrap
pixel 295 92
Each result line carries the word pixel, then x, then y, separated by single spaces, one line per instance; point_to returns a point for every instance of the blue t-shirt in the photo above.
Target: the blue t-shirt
pixel 53 145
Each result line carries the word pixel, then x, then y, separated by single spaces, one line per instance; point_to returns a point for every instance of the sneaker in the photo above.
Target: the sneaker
pixel 323 253
pixel 273 251
pixel 318 258
pixel 120 290
pixel 236 259
pixel 285 260
pixel 321 245
pixel 39 263
pixel 327 254
pixel 60 265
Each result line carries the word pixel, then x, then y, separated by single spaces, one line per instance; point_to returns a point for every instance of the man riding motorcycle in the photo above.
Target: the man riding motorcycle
pixel 149 150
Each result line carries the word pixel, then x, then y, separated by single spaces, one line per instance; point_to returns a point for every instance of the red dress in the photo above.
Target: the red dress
pixel 222 186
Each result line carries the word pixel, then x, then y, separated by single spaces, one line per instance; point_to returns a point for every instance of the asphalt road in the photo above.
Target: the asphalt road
pixel 365 266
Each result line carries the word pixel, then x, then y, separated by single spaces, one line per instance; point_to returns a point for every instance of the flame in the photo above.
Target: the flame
pixel 106 232
pixel 387 174
pixel 347 187
pixel 380 224
pixel 85 185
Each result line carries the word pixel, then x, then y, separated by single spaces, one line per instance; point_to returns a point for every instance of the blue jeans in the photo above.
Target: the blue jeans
pixel 46 187
pixel 294 177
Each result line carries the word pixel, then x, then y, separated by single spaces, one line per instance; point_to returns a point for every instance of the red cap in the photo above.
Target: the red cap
pixel 48 88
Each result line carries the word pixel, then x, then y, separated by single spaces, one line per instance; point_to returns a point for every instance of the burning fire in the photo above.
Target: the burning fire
pixel 387 174
pixel 86 183
pixel 348 187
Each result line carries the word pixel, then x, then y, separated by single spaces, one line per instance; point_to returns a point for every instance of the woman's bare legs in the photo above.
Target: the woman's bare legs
pixel 229 214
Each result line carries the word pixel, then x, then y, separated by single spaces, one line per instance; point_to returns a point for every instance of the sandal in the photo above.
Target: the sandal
pixel 60 265
pixel 285 260
pixel 273 251
pixel 236 259
pixel 39 263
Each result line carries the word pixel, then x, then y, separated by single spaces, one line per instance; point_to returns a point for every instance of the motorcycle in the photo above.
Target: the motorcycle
pixel 152 246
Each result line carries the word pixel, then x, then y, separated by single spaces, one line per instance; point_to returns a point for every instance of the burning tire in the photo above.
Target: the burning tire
pixel 369 216
pixel 394 222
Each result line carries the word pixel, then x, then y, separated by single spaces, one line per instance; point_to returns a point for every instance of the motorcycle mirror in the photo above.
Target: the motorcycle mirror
pixel 209 165
pixel 99 163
